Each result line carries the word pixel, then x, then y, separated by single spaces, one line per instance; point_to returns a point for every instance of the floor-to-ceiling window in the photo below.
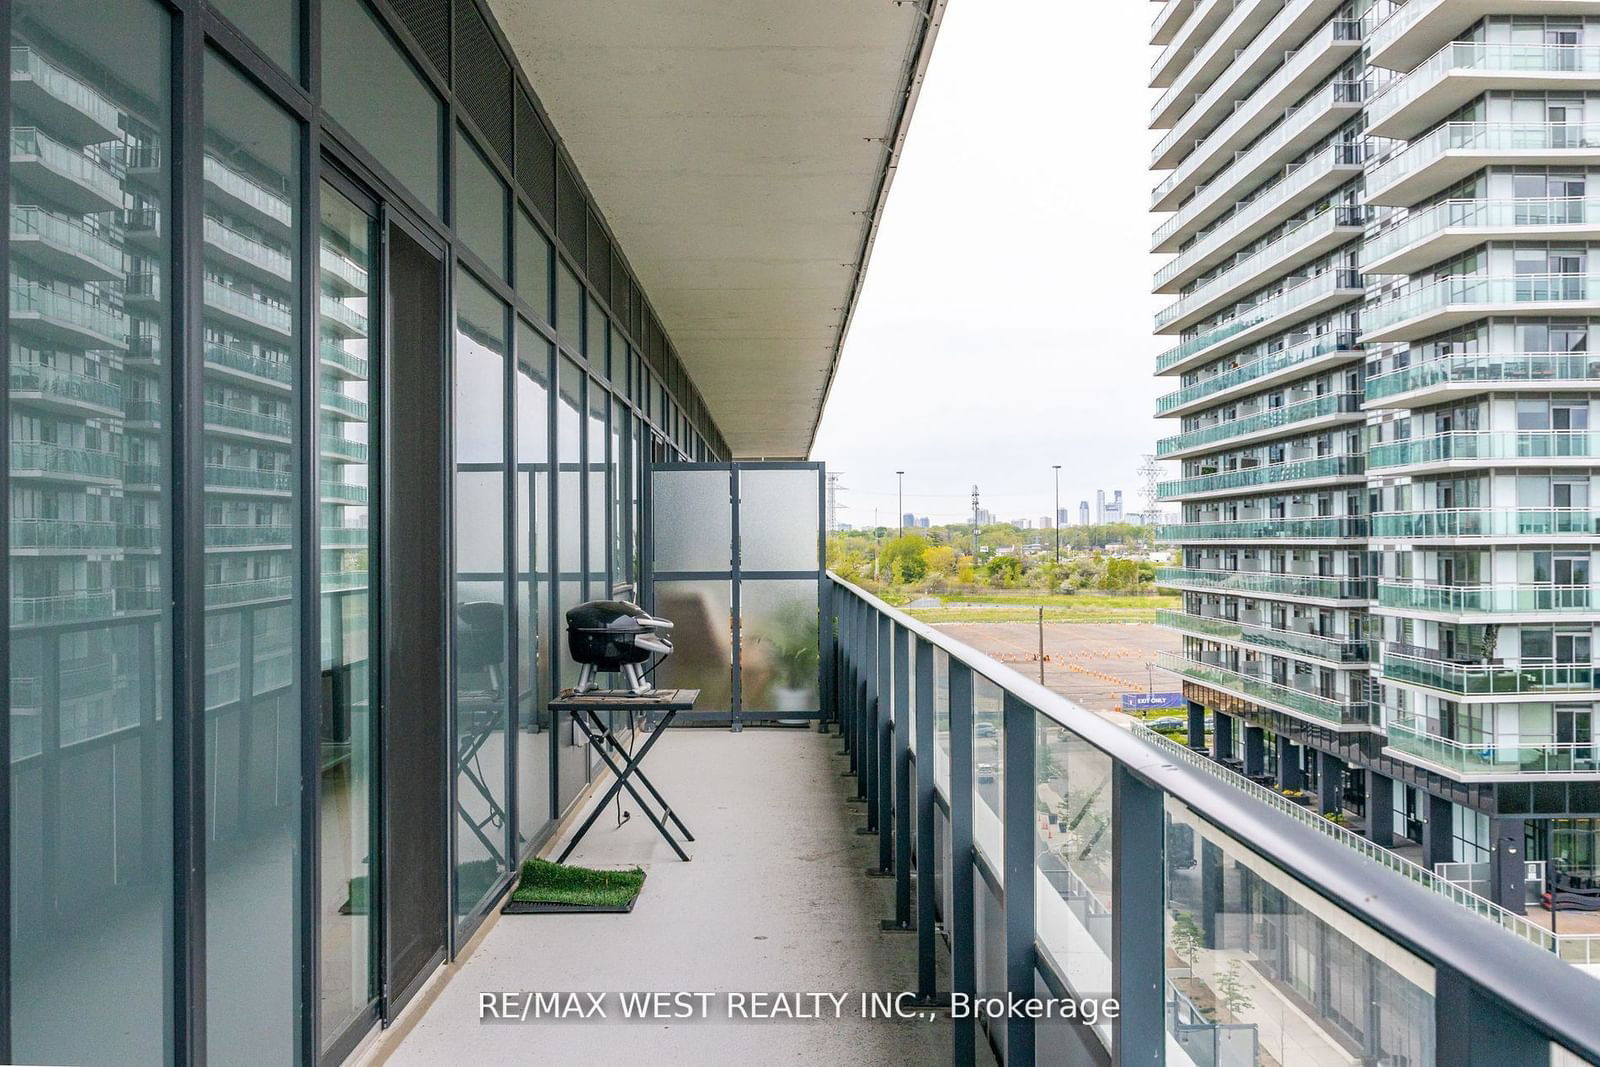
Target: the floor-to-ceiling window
pixel 572 764
pixel 90 564
pixel 536 641
pixel 253 493
pixel 346 326
pixel 483 683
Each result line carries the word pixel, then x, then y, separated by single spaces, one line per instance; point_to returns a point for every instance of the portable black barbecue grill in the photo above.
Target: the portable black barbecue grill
pixel 614 635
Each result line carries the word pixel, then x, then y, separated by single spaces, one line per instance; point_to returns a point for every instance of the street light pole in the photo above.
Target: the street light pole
pixel 902 476
pixel 1057 468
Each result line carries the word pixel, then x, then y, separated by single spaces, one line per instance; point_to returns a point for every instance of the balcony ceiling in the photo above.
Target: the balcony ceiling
pixel 742 156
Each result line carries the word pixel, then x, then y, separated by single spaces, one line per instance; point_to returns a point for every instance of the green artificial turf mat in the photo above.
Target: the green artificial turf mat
pixel 549 886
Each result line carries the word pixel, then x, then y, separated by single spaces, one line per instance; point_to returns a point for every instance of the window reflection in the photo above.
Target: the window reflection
pixel 252 727
pixel 482 682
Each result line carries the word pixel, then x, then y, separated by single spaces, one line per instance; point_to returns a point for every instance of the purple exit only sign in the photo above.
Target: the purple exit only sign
pixel 1152 701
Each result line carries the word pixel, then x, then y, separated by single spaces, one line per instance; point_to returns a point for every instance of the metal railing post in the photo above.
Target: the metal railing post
pixel 904 719
pixel 927 862
pixel 1019 829
pixel 847 678
pixel 963 922
pixel 883 749
pixel 828 682
pixel 1138 949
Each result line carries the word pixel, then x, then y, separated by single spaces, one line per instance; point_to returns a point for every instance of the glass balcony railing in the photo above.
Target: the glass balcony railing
pixel 1245 317
pixel 227 356
pixel 1480 57
pixel 93 173
pixel 60 385
pixel 1334 649
pixel 332 444
pixel 1327 709
pixel 1491 756
pixel 1265 529
pixel 1398 22
pixel 1205 50
pixel 336 356
pixel 1480 215
pixel 1270 474
pixel 37 533
pixel 342 581
pixel 1437 296
pixel 247 306
pixel 343 492
pixel 1480 679
pixel 346 270
pixel 346 537
pixel 1224 87
pixel 220 476
pixel 108 325
pixel 224 416
pixel 1487 599
pixel 1042 807
pixel 1271 363
pixel 1498 137
pixel 349 406
pixel 1488 522
pixel 1486 445
pixel 247 190
pixel 62 608
pixel 1302 585
pixel 1259 261
pixel 65 87
pixel 247 536
pixel 1293 124
pixel 1489 369
pixel 1316 407
pixel 223 594
pixel 40 457
pixel 242 246
pixel 70 234
pixel 337 311
pixel 1294 178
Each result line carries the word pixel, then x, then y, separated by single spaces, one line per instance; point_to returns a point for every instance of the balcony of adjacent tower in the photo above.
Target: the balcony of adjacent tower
pixel 1253 630
pixel 1267 162
pixel 1440 231
pixel 1462 374
pixel 1452 525
pixel 1259 84
pixel 60 100
pixel 1418 29
pixel 1492 758
pixel 1296 300
pixel 1202 46
pixel 1325 710
pixel 1261 422
pixel 1322 352
pixel 1329 590
pixel 1505 602
pixel 1428 308
pixel 1454 150
pixel 1462 71
pixel 80 180
pixel 1297 246
pixel 1482 449
pixel 63 245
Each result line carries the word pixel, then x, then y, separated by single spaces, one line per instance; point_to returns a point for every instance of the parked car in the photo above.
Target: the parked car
pixel 1169 725
pixel 986 772
pixel 985 729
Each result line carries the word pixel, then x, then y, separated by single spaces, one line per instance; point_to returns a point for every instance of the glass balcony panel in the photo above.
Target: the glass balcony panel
pixel 1488 522
pixel 1267 474
pixel 1487 368
pixel 1478 679
pixel 1486 445
pixel 1327 709
pixel 1257 368
pixel 1246 942
pixel 1306 585
pixel 1486 599
pixel 1418 738
pixel 1336 649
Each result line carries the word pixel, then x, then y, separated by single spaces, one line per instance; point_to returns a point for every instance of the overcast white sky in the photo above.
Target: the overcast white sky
pixel 1005 322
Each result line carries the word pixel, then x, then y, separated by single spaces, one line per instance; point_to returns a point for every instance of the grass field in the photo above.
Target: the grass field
pixel 1024 607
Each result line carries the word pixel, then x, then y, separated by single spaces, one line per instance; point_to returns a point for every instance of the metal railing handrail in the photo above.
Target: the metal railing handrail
pixel 1526 982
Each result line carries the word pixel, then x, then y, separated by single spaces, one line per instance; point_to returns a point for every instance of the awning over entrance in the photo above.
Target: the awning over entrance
pixel 742 155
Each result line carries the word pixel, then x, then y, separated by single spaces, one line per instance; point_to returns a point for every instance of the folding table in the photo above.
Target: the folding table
pixel 586 709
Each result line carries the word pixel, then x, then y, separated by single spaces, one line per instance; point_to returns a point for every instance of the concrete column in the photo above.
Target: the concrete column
pixel 1380 809
pixel 1507 859
pixel 1221 736
pixel 1436 843
pixel 1255 751
pixel 1197 726
pixel 1330 782
pixel 1290 773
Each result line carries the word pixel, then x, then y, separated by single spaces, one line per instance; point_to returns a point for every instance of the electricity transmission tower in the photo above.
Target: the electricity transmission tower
pixel 834 507
pixel 974 522
pixel 1151 473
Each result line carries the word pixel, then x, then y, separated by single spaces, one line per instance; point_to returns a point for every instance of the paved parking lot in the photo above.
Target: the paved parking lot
pixel 1091 663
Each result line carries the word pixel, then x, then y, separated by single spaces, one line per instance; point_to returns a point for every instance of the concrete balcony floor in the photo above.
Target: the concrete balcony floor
pixel 776 899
